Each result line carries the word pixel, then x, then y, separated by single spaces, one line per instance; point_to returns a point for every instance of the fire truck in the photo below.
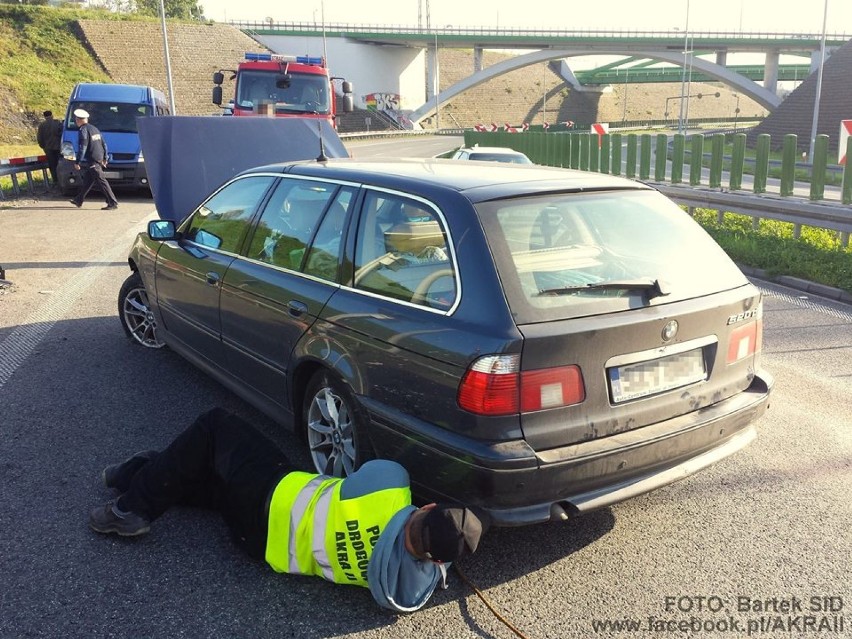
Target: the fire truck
pixel 272 84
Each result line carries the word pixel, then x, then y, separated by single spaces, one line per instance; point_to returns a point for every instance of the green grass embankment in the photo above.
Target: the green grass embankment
pixel 816 256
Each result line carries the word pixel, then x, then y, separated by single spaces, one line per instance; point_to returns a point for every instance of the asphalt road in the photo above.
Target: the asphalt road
pixel 751 539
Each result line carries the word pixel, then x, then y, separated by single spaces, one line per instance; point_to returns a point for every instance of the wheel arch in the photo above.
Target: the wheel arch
pixel 331 360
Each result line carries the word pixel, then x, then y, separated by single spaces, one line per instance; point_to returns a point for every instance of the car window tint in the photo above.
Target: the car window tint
pixel 223 220
pixel 288 222
pixel 324 252
pixel 401 252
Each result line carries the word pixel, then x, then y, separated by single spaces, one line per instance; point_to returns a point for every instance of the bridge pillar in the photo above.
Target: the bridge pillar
pixel 722 58
pixel 432 88
pixel 770 72
pixel 815 58
pixel 477 59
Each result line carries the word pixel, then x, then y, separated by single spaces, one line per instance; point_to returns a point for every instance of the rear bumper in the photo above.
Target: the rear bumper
pixel 518 486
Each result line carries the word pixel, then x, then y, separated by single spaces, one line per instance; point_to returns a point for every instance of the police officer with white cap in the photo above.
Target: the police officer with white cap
pixel 90 161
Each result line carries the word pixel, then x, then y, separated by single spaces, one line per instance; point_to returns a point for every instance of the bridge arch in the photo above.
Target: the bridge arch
pixel 759 94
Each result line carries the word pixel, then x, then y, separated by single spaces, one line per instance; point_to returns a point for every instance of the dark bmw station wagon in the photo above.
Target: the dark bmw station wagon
pixel 537 342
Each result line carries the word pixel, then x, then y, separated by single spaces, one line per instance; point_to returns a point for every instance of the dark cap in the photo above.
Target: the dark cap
pixel 48 114
pixel 449 532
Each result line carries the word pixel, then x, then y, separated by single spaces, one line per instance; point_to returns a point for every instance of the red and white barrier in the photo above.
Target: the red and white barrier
pixel 27 160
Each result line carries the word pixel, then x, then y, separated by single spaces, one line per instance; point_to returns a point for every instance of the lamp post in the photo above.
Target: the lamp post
pixel 168 62
pixel 736 111
pixel 815 119
pixel 437 86
pixel 680 123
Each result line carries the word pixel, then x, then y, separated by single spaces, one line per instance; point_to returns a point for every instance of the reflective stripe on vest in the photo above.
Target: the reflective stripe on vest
pixel 297 511
pixel 311 531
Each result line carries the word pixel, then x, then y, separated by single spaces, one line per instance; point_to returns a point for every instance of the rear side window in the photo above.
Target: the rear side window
pixel 223 221
pixel 402 252
pixel 565 255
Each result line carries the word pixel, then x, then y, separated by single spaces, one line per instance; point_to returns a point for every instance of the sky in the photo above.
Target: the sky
pixel 786 16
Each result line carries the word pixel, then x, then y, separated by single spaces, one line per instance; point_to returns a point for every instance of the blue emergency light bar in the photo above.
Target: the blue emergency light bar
pixel 268 57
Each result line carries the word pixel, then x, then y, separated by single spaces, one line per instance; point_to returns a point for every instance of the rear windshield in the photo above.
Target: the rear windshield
pixel 566 255
pixel 501 157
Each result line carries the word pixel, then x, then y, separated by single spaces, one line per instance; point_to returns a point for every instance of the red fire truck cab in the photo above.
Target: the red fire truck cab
pixel 272 84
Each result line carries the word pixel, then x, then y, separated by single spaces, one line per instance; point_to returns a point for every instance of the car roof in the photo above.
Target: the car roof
pixel 491 149
pixel 476 181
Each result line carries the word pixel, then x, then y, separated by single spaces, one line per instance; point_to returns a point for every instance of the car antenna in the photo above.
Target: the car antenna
pixel 322 157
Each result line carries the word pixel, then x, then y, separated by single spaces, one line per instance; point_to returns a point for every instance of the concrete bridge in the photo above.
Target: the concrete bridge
pixel 392 61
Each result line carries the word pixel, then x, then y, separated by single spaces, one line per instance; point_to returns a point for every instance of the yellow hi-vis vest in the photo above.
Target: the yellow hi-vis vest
pixel 312 531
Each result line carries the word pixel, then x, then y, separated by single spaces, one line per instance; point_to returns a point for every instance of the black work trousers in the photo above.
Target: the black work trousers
pixel 219 462
pixel 92 174
pixel 52 164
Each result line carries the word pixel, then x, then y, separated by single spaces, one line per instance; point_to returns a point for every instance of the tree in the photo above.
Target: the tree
pixel 184 9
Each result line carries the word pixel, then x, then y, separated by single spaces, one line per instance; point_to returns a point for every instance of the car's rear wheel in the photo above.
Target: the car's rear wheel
pixel 136 315
pixel 335 425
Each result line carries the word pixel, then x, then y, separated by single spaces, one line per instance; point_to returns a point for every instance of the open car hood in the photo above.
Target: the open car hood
pixel 187 158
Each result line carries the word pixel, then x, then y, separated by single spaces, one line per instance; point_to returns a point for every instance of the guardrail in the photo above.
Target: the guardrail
pixel 14 167
pixel 662 162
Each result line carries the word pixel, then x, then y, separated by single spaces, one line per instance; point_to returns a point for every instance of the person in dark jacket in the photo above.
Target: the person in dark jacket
pixel 361 530
pixel 91 160
pixel 49 138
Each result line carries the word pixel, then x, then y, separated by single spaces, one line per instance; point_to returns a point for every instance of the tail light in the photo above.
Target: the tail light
pixel 495 385
pixel 747 340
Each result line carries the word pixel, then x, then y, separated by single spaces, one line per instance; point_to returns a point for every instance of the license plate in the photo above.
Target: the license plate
pixel 656 376
pixel 112 175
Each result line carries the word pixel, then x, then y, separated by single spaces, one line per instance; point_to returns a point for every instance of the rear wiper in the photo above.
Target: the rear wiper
pixel 654 288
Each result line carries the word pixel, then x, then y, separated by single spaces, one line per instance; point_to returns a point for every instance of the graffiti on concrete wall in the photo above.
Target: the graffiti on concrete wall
pixel 389 104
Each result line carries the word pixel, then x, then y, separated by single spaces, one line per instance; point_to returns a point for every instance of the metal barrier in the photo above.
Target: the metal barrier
pixel 590 152
pixel 14 167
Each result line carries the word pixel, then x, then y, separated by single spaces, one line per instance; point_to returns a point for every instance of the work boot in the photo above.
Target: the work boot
pixel 109 519
pixel 76 203
pixel 119 476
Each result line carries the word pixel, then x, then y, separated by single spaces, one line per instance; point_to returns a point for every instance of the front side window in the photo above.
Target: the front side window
pixel 402 252
pixel 289 222
pixel 223 221
pixel 571 255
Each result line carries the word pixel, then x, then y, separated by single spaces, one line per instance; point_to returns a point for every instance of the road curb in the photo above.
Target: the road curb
pixel 797 283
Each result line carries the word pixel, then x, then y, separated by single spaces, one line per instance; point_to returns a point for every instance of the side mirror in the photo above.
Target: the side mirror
pixel 347 87
pixel 218 77
pixel 162 230
pixel 348 104
pixel 217 95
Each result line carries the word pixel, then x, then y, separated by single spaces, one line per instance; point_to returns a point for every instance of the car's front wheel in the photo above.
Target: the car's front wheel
pixel 136 315
pixel 335 425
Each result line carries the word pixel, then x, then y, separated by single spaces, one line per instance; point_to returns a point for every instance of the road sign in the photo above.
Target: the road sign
pixel 601 128
pixel 845 131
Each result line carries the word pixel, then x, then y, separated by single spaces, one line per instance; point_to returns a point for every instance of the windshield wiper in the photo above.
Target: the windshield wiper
pixel 653 288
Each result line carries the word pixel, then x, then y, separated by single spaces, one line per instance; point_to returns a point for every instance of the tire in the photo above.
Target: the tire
pixel 335 426
pixel 135 313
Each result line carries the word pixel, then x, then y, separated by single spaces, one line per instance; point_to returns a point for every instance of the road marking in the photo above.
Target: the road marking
pixel 20 343
pixel 807 301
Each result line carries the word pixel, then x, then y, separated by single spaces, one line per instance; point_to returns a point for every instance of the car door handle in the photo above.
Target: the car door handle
pixel 297 308
pixel 213 278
